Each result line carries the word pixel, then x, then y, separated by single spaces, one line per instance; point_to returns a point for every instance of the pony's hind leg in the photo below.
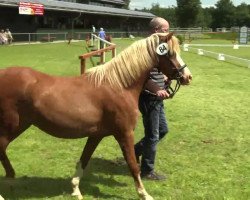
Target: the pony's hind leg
pixel 126 143
pixel 5 139
pixel 11 126
pixel 8 123
pixel 10 173
pixel 89 149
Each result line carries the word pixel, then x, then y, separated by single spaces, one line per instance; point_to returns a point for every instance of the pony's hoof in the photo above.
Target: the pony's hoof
pixel 147 197
pixel 76 194
pixel 79 197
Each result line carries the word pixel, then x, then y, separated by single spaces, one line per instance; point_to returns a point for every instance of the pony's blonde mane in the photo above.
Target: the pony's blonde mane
pixel 125 68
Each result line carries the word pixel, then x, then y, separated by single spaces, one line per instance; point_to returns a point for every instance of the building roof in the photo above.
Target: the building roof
pixel 121 2
pixel 77 7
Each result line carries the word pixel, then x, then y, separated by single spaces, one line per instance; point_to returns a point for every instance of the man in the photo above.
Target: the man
pixel 9 36
pixel 152 108
pixel 93 29
pixel 93 33
pixel 3 37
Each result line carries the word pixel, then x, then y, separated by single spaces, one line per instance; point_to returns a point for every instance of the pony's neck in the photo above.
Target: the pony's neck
pixel 136 88
pixel 125 69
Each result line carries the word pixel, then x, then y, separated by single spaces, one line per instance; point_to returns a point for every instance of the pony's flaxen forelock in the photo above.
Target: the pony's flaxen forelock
pixel 125 68
pixel 173 43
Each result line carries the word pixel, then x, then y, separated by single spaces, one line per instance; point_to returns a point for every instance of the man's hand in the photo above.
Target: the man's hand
pixel 163 94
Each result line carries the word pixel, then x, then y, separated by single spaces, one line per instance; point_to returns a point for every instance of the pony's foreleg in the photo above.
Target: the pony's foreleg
pixel 76 181
pixel 127 146
pixel 89 149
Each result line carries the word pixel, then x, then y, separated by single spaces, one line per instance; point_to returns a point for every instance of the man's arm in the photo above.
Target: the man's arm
pixel 154 88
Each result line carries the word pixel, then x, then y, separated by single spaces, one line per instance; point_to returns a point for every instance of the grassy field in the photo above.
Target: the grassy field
pixel 206 154
pixel 242 52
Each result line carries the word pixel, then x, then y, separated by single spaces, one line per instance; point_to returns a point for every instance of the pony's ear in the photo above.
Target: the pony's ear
pixel 169 36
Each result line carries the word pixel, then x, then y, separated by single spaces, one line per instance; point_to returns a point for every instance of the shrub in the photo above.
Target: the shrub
pixel 180 38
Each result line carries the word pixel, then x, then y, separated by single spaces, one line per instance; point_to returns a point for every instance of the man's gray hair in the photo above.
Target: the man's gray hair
pixel 156 23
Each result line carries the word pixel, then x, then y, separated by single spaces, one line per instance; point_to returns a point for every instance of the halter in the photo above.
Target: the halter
pixel 168 87
pixel 172 90
pixel 163 50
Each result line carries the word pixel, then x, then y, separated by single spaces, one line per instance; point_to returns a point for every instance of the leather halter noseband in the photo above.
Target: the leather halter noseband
pixel 172 91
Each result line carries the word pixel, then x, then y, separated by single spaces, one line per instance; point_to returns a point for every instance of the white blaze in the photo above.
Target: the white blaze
pixel 179 59
pixel 186 71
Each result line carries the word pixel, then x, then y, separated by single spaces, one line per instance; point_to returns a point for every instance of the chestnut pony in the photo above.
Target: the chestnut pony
pixel 99 103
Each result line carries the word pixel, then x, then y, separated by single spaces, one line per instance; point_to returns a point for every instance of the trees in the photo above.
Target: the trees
pixel 242 15
pixel 205 18
pixel 127 2
pixel 187 12
pixel 224 14
pixel 166 13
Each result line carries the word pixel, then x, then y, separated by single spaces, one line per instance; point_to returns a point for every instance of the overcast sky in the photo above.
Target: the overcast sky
pixel 140 4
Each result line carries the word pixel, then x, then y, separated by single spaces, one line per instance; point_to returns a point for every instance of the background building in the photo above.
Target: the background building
pixel 64 15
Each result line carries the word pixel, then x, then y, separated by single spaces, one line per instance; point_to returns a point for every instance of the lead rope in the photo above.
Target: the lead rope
pixel 168 87
pixel 172 91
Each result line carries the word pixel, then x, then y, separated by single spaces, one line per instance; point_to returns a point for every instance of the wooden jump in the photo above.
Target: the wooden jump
pixel 94 53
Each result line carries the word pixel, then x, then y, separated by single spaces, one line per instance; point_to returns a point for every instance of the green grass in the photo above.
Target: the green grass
pixel 211 41
pixel 55 59
pixel 212 38
pixel 222 36
pixel 242 52
pixel 228 37
pixel 205 155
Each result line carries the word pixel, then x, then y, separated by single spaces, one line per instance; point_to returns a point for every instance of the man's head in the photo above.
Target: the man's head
pixel 159 25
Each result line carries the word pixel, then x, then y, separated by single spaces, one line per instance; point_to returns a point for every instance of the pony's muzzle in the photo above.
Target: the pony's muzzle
pixel 186 79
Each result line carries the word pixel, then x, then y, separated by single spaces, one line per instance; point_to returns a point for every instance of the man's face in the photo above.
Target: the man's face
pixel 163 27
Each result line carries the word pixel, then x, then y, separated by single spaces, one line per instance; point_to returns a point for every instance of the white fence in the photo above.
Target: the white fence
pixel 39 37
pixel 62 36
pixel 219 56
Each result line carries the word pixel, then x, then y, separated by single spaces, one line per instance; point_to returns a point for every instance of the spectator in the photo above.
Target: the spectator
pixel 93 32
pixel 93 29
pixel 102 35
pixel 3 38
pixel 152 108
pixel 8 35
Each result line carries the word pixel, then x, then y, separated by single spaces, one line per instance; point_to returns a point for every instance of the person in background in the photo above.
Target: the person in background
pixel 102 35
pixel 152 109
pixel 93 32
pixel 3 38
pixel 8 35
pixel 93 29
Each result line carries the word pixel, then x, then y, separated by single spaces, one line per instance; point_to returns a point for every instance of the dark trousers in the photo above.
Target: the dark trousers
pixel 101 44
pixel 155 128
